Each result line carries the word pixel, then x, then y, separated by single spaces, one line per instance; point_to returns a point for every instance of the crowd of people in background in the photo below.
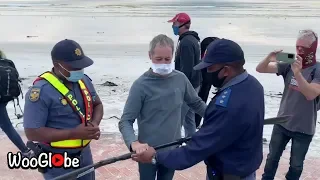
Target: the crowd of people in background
pixel 226 134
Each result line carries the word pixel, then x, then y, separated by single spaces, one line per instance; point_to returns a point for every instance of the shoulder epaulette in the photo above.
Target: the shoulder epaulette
pixel 223 98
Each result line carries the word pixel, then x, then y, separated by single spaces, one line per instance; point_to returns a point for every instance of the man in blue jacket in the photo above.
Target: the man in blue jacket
pixel 230 139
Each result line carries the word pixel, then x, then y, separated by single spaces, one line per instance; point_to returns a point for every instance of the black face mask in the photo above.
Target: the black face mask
pixel 215 80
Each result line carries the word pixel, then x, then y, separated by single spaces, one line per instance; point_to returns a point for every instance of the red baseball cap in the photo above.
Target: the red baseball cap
pixel 181 18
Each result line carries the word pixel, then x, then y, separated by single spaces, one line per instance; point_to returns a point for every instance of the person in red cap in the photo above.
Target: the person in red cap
pixel 186 57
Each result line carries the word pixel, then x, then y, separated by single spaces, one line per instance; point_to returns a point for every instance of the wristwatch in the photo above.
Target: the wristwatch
pixel 154 160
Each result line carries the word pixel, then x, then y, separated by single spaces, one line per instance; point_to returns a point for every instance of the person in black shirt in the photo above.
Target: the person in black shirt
pixel 206 78
pixel 186 57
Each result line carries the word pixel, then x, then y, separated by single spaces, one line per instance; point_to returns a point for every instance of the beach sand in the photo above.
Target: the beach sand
pixel 116 36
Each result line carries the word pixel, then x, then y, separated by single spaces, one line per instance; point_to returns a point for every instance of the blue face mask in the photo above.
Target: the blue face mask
pixel 75 76
pixel 175 30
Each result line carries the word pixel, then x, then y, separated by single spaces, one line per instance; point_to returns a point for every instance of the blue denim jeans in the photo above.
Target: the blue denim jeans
pixel 299 148
pixel 7 128
pixel 150 172
pixel 188 118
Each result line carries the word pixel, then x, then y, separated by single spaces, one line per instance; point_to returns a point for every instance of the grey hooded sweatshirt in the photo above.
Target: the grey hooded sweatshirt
pixel 156 101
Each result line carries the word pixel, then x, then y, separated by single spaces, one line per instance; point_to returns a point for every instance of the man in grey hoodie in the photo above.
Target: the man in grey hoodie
pixel 155 100
pixel 186 57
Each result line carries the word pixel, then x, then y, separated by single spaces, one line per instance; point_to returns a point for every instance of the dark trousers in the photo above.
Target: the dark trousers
pixel 8 128
pixel 150 172
pixel 279 139
pixel 203 92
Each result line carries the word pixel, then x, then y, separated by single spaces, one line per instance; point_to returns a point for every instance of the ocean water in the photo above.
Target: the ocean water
pixel 116 33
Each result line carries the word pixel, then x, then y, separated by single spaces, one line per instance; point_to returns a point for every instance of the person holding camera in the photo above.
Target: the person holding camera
pixel 302 87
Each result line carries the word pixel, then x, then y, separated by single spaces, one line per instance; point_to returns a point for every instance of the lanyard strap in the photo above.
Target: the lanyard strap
pixel 87 100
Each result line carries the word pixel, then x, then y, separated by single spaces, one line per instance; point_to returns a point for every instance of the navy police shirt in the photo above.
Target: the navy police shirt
pixel 46 107
pixel 230 139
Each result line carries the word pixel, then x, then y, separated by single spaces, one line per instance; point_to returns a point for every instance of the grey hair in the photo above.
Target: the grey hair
pixel 308 34
pixel 161 40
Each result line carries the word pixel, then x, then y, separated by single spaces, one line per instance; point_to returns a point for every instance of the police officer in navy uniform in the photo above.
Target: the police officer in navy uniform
pixel 63 109
pixel 230 139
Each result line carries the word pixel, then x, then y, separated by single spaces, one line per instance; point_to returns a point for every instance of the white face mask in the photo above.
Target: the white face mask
pixel 162 69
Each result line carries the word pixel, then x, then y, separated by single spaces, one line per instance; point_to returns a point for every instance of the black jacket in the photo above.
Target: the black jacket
pixel 188 55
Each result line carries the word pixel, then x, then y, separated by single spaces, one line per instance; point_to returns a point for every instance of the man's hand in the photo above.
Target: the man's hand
pixel 138 147
pixel 297 65
pixel 85 132
pixel 272 56
pixel 269 63
pixel 95 124
pixel 145 156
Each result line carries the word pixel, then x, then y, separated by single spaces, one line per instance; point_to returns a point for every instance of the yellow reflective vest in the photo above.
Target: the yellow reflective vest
pixel 85 117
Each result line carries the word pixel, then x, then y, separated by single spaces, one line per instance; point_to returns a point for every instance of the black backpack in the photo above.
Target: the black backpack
pixel 10 88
